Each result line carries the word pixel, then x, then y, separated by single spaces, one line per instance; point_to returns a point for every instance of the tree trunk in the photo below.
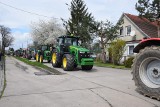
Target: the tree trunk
pixel 3 47
pixel 103 53
pixel 103 56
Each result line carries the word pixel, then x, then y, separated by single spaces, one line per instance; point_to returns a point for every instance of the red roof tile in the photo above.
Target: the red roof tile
pixel 149 28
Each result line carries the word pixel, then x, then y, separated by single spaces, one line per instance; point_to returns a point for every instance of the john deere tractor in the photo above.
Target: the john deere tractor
pixel 43 53
pixel 69 54
pixel 146 67
pixel 30 53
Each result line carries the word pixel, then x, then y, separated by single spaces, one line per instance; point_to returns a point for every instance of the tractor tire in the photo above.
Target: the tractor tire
pixel 41 59
pixel 87 67
pixel 28 57
pixel 75 65
pixel 146 72
pixel 56 62
pixel 37 57
pixel 49 61
pixel 68 62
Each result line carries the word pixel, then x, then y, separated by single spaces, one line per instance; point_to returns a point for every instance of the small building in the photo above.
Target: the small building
pixel 134 29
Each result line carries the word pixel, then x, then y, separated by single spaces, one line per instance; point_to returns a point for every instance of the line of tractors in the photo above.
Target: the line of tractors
pixel 67 54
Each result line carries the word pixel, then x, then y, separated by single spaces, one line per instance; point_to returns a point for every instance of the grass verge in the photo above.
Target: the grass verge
pixel 39 65
pixel 5 82
pixel 109 65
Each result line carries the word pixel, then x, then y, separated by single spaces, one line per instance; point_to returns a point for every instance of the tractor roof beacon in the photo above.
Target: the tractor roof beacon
pixel 68 53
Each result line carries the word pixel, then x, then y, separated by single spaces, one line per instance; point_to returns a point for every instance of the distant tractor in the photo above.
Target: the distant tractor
pixel 146 67
pixel 43 53
pixel 69 54
pixel 19 52
pixel 30 53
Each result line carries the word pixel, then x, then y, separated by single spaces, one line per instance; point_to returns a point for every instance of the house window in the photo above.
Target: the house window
pixel 121 31
pixel 128 30
pixel 131 49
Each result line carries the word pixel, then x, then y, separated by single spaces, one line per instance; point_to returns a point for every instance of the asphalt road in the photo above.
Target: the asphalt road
pixel 101 87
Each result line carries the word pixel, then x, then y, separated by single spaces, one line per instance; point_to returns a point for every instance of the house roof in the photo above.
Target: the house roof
pixel 149 28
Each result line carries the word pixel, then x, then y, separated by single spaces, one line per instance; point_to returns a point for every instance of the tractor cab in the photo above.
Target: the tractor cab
pixel 43 47
pixel 64 42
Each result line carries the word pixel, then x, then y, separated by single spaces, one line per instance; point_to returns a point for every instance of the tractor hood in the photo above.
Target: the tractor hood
pixel 79 48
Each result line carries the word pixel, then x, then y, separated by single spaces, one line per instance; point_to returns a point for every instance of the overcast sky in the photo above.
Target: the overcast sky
pixel 20 21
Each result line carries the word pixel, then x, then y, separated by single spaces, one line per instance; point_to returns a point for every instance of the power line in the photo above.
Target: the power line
pixel 26 11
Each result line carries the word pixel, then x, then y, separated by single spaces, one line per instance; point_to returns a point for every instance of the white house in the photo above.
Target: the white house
pixel 134 29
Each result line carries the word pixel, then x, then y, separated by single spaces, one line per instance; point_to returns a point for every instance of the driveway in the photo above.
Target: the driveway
pixel 101 87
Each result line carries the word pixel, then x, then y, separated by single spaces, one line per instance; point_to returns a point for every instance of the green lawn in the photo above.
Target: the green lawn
pixel 109 65
pixel 39 65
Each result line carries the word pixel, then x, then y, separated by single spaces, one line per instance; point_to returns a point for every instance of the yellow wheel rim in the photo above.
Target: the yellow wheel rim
pixel 37 57
pixel 64 62
pixel 54 58
pixel 40 59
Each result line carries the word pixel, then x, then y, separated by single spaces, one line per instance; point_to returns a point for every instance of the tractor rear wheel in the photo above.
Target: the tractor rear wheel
pixel 146 72
pixel 56 62
pixel 87 67
pixel 68 62
pixel 41 59
pixel 37 57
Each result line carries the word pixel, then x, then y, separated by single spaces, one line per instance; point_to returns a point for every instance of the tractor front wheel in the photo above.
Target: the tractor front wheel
pixel 87 67
pixel 56 62
pixel 68 62
pixel 146 72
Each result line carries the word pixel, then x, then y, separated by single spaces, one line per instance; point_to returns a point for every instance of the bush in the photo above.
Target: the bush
pixel 116 50
pixel 128 63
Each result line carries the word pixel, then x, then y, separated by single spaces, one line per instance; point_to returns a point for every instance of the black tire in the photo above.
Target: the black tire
pixel 69 65
pixel 49 61
pixel 41 59
pixel 28 57
pixel 87 67
pixel 145 64
pixel 75 65
pixel 56 60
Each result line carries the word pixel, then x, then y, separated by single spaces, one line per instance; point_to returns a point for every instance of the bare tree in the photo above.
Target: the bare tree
pixel 7 39
pixel 45 32
pixel 106 32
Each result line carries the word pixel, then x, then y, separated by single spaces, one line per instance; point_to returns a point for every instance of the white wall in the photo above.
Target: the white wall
pixel 126 53
pixel 138 33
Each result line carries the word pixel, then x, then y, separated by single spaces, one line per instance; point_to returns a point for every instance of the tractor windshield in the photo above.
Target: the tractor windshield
pixel 71 41
pixel 44 48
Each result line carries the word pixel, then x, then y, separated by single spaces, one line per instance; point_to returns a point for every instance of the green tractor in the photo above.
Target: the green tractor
pixel 30 53
pixel 43 53
pixel 69 54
